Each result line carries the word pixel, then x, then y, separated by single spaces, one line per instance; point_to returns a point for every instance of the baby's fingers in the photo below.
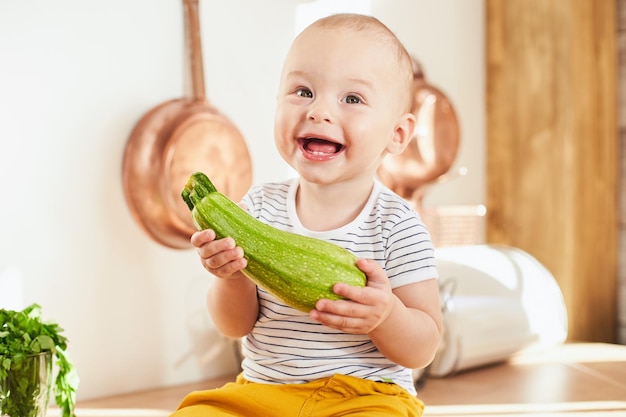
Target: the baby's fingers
pixel 221 257
pixel 228 269
pixel 201 237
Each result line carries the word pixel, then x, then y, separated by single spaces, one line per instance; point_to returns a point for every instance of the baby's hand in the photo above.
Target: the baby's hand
pixel 221 257
pixel 365 307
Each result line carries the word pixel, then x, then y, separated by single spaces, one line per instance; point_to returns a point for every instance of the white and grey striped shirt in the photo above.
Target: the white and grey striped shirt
pixel 286 346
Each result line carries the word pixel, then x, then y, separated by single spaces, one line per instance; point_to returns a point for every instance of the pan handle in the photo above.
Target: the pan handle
pixel 194 48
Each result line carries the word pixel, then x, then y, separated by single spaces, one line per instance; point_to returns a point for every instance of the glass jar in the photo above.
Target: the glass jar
pixel 26 390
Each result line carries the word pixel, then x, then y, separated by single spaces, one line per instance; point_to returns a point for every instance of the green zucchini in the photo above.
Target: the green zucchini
pixel 299 270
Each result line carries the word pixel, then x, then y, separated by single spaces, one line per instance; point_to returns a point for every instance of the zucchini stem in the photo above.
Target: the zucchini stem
pixel 198 186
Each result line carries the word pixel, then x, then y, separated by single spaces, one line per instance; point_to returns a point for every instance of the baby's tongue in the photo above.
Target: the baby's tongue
pixel 321 146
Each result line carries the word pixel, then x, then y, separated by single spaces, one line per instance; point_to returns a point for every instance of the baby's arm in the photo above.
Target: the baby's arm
pixel 232 298
pixel 405 324
pixel 411 334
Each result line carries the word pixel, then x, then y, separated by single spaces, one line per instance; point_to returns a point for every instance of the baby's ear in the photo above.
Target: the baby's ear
pixel 403 133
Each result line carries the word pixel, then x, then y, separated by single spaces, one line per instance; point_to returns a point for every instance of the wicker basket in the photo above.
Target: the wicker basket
pixel 455 225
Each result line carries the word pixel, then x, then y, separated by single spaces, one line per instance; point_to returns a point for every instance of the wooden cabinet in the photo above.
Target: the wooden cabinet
pixel 552 147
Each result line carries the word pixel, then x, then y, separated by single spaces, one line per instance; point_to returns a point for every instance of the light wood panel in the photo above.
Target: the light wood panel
pixel 552 147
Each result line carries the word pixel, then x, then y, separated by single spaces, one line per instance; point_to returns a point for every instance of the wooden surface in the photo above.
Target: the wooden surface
pixel 578 380
pixel 552 147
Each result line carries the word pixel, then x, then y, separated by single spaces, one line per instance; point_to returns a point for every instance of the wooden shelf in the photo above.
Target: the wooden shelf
pixel 578 379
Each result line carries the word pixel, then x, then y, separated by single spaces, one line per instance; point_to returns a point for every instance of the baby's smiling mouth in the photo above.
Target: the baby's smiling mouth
pixel 320 147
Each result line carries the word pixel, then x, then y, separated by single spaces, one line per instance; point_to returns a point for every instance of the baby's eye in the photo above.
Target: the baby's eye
pixel 352 99
pixel 304 92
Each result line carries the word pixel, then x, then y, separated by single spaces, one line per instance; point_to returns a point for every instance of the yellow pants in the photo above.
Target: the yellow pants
pixel 337 396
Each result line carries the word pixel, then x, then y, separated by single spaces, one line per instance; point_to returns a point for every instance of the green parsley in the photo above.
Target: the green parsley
pixel 23 334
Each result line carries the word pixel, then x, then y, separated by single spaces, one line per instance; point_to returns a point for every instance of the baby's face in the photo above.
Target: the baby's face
pixel 339 105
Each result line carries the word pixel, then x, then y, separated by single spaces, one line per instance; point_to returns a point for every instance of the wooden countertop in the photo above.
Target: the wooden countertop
pixel 578 380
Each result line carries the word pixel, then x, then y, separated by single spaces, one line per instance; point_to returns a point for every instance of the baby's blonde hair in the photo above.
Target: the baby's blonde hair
pixel 371 26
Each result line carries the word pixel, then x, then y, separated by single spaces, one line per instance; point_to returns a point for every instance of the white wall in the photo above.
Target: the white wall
pixel 75 76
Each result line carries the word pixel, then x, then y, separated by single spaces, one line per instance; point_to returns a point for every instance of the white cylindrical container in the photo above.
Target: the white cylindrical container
pixel 497 301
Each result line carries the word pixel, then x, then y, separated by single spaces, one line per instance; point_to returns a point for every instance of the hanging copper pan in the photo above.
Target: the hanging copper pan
pixel 432 149
pixel 174 139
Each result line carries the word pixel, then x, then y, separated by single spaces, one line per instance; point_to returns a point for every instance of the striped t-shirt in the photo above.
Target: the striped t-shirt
pixel 286 345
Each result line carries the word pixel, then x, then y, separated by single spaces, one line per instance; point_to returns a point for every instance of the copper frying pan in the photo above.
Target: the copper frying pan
pixel 174 139
pixel 432 149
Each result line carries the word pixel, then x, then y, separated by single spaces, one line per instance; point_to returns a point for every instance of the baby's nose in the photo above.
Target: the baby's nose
pixel 319 112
